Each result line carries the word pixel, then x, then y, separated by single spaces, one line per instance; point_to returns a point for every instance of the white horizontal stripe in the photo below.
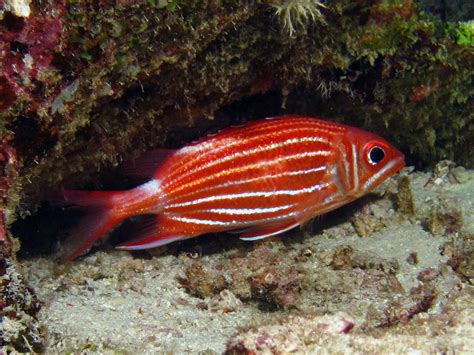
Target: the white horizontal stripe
pixel 326 206
pixel 200 221
pixel 300 172
pixel 228 140
pixel 252 194
pixel 150 188
pixel 257 165
pixel 329 199
pixel 269 176
pixel 330 203
pixel 234 223
pixel 331 126
pixel 245 181
pixel 249 152
pixel 247 211
pixel 296 124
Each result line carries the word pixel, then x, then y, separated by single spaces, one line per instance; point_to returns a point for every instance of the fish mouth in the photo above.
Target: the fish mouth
pixel 399 164
pixel 387 171
pixel 396 165
pixel 393 167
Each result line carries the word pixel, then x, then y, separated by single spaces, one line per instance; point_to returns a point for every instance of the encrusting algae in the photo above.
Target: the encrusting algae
pixel 83 89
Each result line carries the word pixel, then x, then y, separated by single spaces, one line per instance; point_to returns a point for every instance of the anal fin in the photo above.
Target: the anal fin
pixel 261 232
pixel 149 237
pixel 148 242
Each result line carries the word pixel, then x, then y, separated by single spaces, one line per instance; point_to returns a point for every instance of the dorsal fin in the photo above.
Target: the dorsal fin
pixel 146 165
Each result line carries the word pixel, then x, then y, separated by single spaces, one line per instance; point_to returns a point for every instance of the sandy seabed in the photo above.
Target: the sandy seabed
pixel 390 273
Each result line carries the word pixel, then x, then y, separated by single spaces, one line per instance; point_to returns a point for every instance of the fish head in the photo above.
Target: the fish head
pixel 371 160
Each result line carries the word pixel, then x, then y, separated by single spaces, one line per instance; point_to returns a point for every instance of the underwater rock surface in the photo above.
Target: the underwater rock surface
pixel 84 87
pixel 332 287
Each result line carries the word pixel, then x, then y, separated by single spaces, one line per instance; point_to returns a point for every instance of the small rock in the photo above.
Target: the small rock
pixel 412 258
pixel 19 8
pixel 461 175
pixel 428 274
pixel 226 302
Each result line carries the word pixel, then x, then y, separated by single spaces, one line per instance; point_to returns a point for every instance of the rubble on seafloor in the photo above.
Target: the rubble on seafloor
pixel 330 287
pixel 86 86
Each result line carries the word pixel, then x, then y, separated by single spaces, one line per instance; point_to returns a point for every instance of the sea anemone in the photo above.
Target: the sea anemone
pixel 294 13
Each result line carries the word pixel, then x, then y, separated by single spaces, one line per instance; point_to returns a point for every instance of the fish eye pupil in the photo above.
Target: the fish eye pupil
pixel 376 154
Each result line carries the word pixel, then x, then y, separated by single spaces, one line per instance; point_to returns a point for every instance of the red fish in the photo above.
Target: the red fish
pixel 259 179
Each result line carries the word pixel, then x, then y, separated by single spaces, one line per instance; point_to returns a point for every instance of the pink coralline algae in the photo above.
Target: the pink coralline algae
pixel 27 47
pixel 8 172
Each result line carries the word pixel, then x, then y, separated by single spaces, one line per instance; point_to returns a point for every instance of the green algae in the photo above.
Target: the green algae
pixel 463 32
pixel 130 77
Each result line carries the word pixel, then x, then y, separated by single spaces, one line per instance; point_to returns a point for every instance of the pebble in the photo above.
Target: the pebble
pixel 461 174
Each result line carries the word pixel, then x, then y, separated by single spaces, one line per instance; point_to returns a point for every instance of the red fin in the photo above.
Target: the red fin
pixel 85 198
pixel 99 220
pixel 146 165
pixel 149 242
pixel 149 237
pixel 261 232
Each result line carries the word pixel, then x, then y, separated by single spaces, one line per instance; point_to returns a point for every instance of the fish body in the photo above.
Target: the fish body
pixel 259 179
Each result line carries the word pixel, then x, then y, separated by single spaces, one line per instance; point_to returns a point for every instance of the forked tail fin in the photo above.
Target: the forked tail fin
pixel 101 217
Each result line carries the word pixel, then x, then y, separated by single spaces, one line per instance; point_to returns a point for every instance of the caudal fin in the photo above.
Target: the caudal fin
pixel 99 220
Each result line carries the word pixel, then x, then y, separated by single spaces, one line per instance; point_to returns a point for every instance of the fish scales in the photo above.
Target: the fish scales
pixel 248 178
pixel 263 160
pixel 240 137
pixel 269 185
pixel 261 179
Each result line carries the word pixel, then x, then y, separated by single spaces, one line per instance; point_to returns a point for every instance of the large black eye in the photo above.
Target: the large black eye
pixel 375 155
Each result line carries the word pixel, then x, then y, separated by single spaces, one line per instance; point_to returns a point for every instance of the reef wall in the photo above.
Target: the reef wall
pixel 86 85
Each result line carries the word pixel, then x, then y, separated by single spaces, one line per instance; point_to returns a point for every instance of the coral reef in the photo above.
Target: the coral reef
pixel 308 291
pixel 19 328
pixel 87 85
pixel 332 334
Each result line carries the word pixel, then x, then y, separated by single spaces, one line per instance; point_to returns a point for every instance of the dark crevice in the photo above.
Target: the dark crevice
pixel 19 47
pixel 11 23
pixel 27 130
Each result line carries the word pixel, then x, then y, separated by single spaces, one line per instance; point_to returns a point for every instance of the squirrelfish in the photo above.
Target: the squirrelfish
pixel 259 180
